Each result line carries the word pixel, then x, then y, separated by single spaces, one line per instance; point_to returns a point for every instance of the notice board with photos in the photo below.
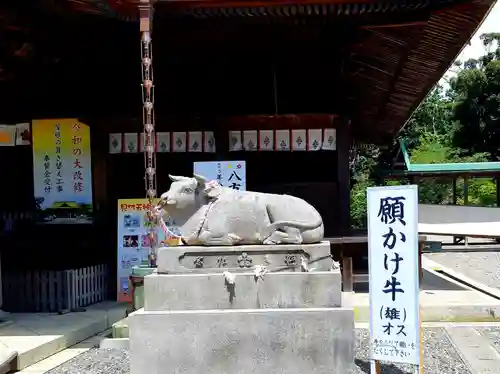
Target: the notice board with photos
pixel 133 240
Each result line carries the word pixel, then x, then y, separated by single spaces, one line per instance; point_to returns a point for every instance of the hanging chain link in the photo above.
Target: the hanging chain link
pixel 148 120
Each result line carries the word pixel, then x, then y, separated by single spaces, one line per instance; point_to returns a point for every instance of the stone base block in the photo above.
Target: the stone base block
pixel 275 290
pixel 282 257
pixel 272 341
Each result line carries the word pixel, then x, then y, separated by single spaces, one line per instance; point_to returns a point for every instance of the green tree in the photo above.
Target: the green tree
pixel 461 124
pixel 475 92
pixel 362 178
pixel 432 117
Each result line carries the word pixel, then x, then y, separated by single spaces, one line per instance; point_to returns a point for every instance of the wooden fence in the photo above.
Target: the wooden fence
pixel 54 291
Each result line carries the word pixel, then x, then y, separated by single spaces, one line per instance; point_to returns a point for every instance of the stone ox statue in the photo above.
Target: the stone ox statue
pixel 209 214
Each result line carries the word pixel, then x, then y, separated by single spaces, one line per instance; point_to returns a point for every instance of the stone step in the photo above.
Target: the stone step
pixel 320 289
pixel 292 341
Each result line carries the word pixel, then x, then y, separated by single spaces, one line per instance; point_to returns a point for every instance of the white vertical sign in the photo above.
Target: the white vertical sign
pixel 394 274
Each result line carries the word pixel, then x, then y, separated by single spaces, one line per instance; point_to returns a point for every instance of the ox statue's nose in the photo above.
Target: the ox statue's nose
pixel 165 199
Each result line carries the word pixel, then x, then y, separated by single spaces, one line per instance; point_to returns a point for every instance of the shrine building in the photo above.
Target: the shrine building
pixel 292 88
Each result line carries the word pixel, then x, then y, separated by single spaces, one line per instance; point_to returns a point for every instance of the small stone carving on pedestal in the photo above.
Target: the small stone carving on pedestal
pixel 290 260
pixel 244 261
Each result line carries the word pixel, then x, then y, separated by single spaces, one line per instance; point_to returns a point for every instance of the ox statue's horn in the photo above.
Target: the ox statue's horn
pixel 175 178
pixel 200 178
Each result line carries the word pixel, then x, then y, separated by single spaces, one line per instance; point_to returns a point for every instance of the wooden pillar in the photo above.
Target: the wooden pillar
pixel 498 189
pixel 466 201
pixel 344 199
pixel 99 180
pixel 454 190
pixel 145 8
pixel 343 176
pixel 466 190
pixel 347 270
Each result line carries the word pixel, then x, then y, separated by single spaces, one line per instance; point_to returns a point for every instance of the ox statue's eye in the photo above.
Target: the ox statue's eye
pixel 188 190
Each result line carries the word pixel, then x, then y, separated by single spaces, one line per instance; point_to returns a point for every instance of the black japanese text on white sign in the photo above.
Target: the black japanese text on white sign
pixel 394 273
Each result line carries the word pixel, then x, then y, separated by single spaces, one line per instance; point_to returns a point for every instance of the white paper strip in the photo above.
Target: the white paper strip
pixel 23 134
pixel 163 142
pixel 299 140
pixel 250 140
pixel 266 140
pixel 329 140
pixel 179 142
pixel 7 135
pixel 115 143
pixel 315 139
pixel 209 142
pixel 195 141
pixel 235 141
pixel 130 142
pixel 282 140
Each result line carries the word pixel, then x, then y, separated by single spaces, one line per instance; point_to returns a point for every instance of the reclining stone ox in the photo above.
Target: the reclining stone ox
pixel 209 214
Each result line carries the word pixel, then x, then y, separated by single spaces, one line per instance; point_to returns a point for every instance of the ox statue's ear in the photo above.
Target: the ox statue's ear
pixel 212 191
pixel 200 179
pixel 174 178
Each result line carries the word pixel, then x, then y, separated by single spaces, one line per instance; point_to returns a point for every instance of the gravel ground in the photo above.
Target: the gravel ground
pixel 483 267
pixel 440 358
pixel 493 334
pixel 96 361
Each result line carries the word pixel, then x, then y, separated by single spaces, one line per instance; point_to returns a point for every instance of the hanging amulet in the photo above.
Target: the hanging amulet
pixel 149 106
pixel 148 84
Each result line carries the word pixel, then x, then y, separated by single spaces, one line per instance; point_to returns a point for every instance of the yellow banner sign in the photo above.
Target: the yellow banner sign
pixel 62 170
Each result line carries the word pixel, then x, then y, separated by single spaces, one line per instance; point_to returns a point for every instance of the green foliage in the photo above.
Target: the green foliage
pixel 461 124
pixel 362 178
pixel 475 93
pixel 432 118
pixel 358 203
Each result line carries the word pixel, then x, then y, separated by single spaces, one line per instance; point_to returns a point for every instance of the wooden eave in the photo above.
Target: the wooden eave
pixel 400 50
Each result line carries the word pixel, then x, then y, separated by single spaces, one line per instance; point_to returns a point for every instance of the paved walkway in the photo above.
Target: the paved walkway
pixel 37 336
pixel 475 350
pixel 450 348
pixel 483 267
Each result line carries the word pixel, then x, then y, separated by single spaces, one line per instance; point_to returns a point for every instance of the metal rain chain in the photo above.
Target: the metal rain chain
pixel 148 119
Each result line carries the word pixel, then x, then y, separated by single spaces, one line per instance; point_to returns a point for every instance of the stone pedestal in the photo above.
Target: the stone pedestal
pixel 287 321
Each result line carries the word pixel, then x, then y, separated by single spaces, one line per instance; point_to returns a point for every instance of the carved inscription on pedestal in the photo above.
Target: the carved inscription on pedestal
pixel 222 262
pixel 198 262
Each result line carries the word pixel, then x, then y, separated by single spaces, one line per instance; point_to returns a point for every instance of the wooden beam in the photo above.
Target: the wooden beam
pixel 276 2
pixel 256 3
pixel 406 24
